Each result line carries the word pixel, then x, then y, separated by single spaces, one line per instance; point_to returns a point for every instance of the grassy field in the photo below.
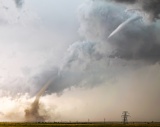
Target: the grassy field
pixel 5 124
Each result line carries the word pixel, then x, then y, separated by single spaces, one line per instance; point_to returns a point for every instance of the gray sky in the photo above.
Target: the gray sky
pixel 93 76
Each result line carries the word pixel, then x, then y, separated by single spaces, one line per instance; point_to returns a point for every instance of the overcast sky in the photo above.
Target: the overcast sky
pixel 102 57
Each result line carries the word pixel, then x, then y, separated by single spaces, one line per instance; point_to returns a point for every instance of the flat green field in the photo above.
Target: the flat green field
pixel 5 124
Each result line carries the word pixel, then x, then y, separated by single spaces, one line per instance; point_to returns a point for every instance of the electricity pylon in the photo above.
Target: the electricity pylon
pixel 125 115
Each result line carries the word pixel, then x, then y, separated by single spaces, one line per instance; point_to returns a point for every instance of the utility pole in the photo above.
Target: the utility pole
pixel 125 115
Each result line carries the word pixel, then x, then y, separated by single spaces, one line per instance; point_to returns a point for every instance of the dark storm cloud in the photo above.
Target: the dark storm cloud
pixel 150 7
pixel 137 40
pixel 132 38
pixel 126 1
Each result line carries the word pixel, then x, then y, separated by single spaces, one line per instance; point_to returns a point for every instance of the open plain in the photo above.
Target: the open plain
pixel 12 124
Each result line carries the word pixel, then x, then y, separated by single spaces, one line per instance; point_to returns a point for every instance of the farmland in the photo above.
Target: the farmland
pixel 23 124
